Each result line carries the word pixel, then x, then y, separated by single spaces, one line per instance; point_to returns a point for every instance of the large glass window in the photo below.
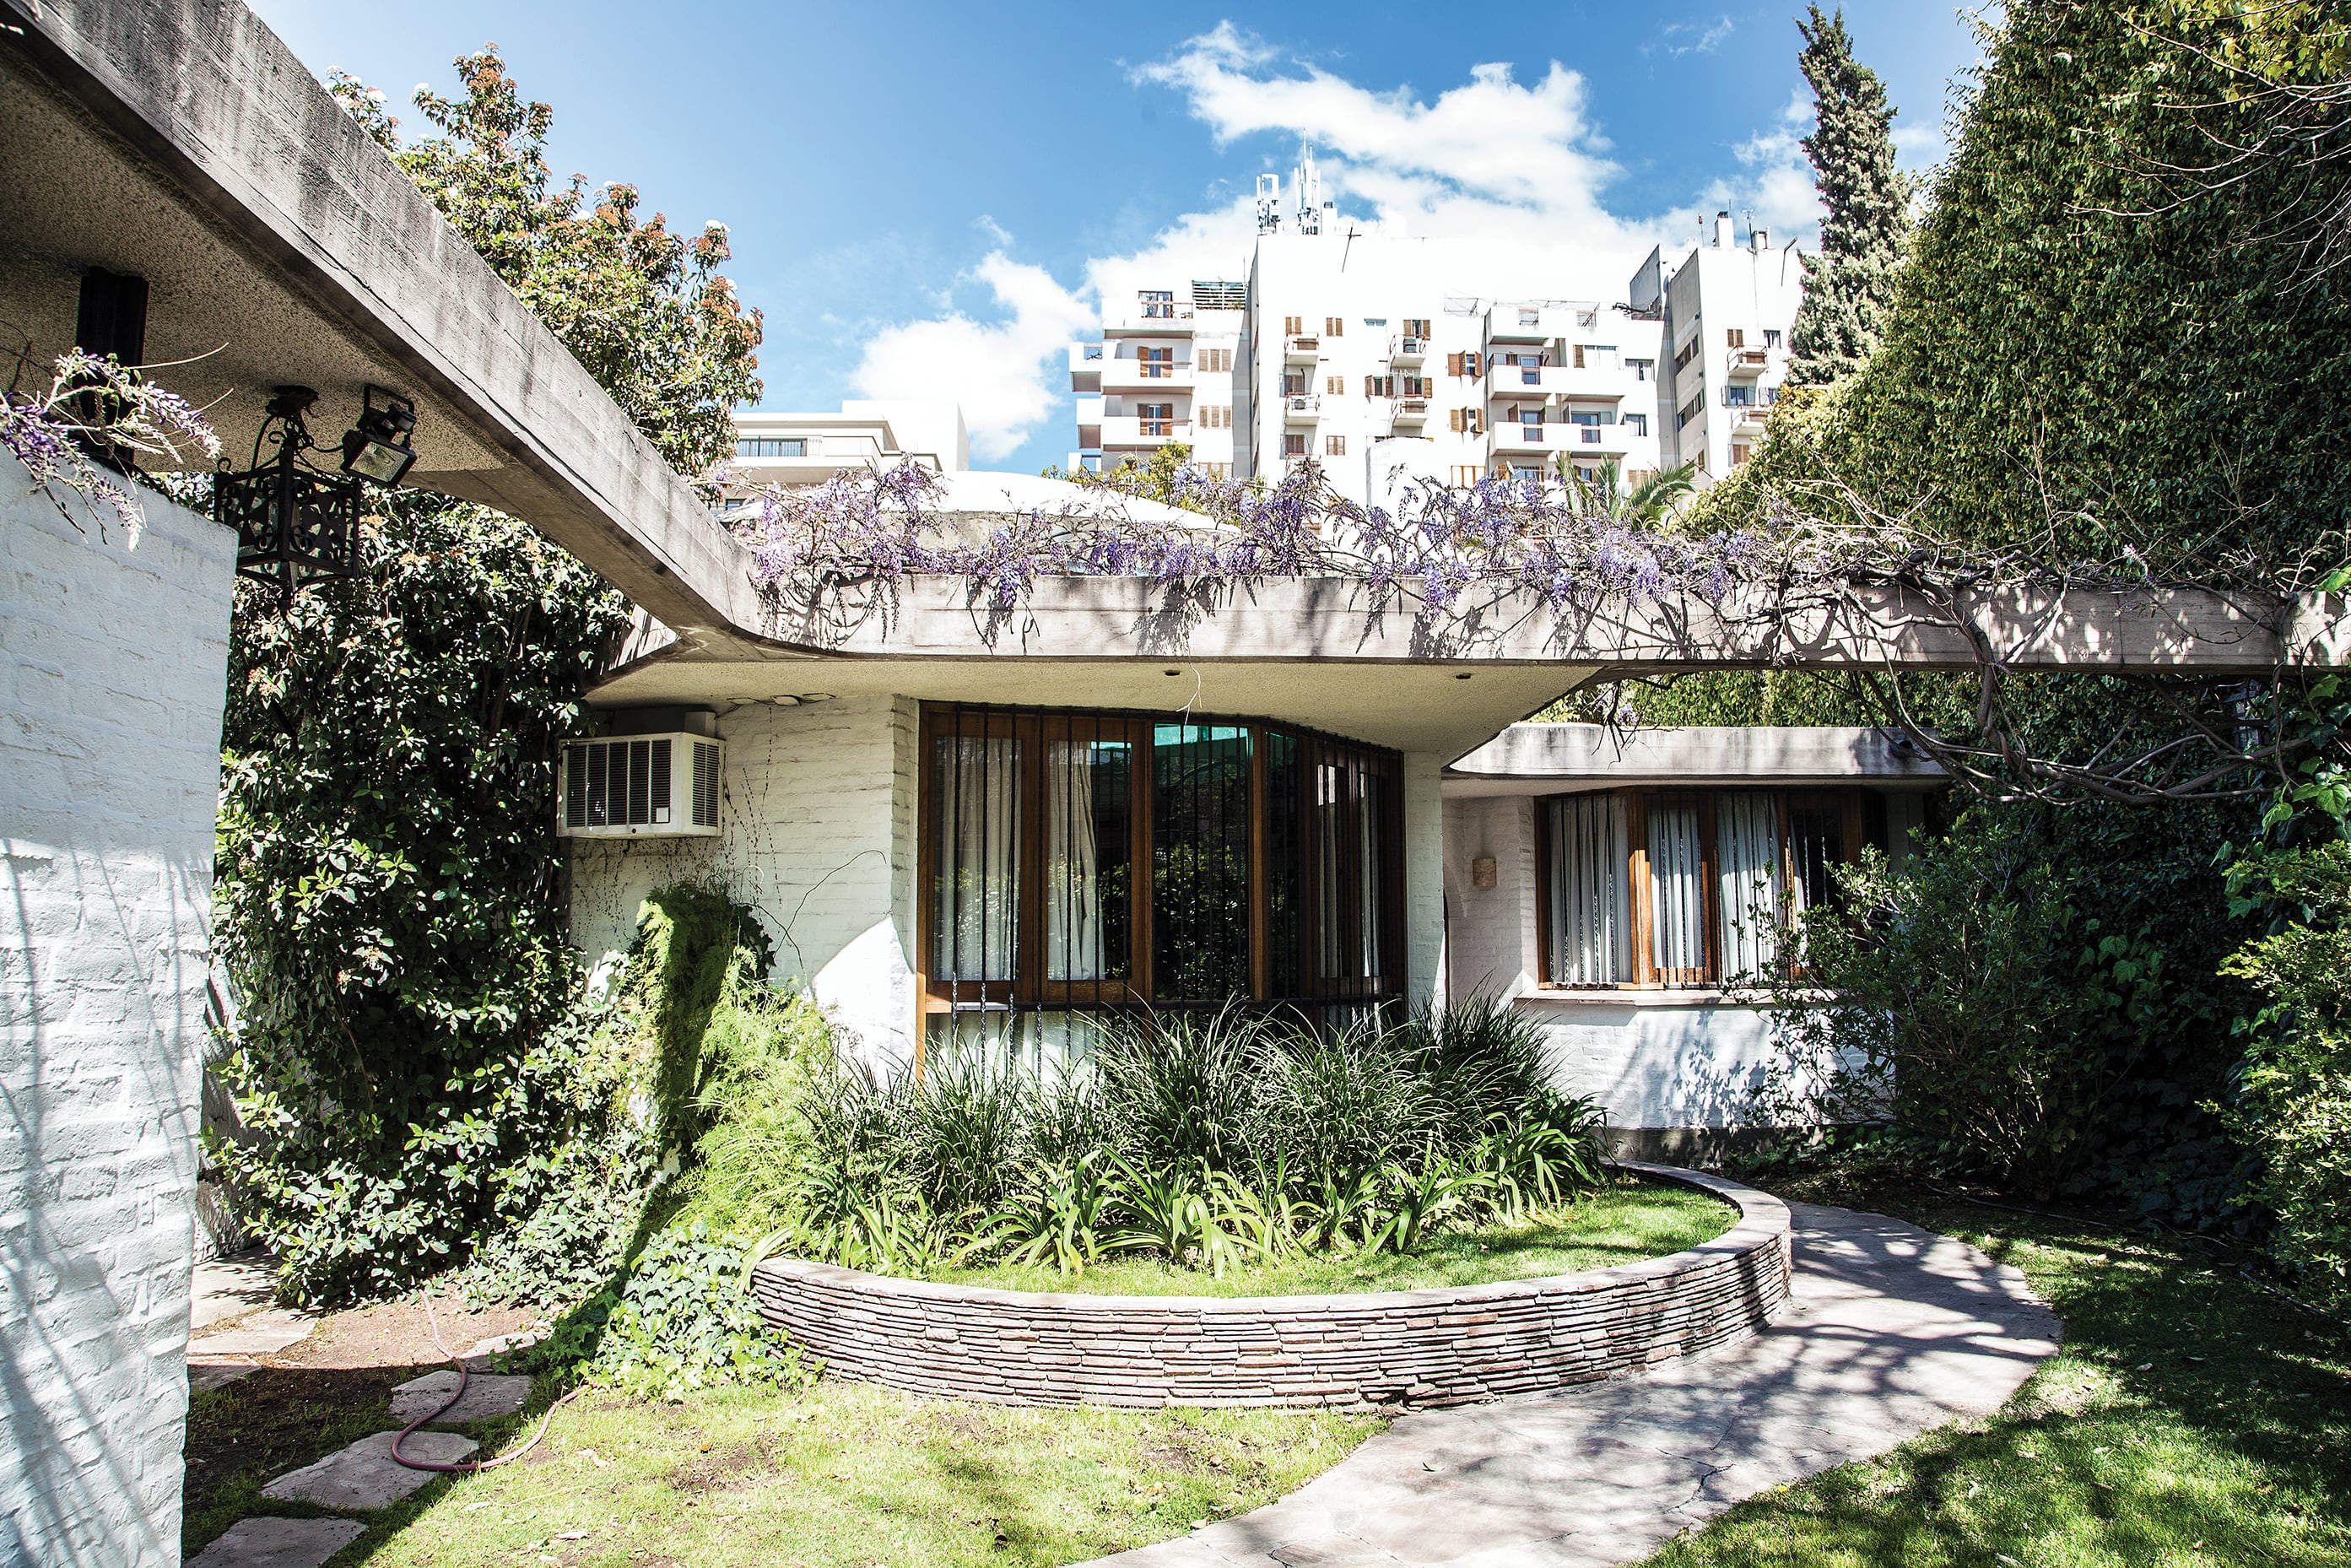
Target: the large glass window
pixel 1199 861
pixel 1072 863
pixel 1680 888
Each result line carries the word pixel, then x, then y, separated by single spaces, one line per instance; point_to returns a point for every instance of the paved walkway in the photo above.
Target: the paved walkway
pixel 1890 1331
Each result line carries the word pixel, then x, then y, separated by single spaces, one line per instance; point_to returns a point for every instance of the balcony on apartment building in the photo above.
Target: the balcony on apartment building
pixel 1302 348
pixel 1513 438
pixel 1085 367
pixel 1137 374
pixel 1127 432
pixel 1746 363
pixel 1406 350
pixel 1749 407
pixel 1411 414
pixel 1301 408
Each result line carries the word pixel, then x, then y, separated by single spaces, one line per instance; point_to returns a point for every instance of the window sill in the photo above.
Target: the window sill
pixel 1681 996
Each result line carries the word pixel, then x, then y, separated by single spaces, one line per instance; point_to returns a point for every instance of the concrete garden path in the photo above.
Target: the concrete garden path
pixel 1889 1331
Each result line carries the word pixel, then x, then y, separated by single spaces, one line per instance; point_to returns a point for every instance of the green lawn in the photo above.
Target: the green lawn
pixel 1621 1223
pixel 849 1475
pixel 2189 1419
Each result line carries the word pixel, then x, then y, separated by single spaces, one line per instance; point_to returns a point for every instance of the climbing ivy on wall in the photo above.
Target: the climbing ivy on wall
pixel 409 1068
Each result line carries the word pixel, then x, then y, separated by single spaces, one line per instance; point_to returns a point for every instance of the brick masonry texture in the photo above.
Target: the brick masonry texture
pixel 112 673
pixel 1418 1347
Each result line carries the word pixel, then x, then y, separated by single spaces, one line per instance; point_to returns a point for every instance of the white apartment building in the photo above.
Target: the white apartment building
pixel 1360 351
pixel 1162 372
pixel 1726 313
pixel 808 448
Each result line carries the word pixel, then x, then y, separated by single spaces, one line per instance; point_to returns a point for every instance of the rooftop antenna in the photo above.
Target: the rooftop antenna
pixel 1268 203
pixel 1306 183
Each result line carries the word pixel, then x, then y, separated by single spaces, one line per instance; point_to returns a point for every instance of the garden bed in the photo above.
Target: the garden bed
pixel 1624 1222
pixel 1435 1346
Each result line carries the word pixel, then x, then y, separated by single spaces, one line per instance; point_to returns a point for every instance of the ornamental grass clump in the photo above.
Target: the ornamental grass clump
pixel 1208 1140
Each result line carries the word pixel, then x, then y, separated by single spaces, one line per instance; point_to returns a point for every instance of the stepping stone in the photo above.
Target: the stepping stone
pixel 205 1375
pixel 278 1543
pixel 486 1396
pixel 264 1333
pixel 365 1475
pixel 521 1339
pixel 230 1288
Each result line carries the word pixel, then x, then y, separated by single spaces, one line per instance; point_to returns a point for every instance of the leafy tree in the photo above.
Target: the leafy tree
pixel 390 886
pixel 1850 285
pixel 644 309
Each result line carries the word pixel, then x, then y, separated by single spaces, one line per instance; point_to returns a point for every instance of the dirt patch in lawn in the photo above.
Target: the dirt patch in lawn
pixel 401 1333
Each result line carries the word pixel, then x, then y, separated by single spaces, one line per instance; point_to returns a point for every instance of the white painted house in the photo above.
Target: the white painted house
pixel 957 819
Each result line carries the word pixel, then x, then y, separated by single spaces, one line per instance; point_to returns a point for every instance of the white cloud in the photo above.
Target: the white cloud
pixel 1709 39
pixel 997 370
pixel 1514 172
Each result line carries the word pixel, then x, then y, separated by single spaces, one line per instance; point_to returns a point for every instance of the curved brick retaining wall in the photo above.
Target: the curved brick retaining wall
pixel 1427 1347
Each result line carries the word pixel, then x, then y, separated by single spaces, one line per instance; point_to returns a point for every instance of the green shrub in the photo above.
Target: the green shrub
pixel 1973 1005
pixel 2292 1108
pixel 684 1319
pixel 1204 1139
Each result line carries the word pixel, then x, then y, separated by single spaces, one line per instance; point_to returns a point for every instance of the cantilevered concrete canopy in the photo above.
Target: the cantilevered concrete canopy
pixel 1552 759
pixel 1342 655
pixel 183 143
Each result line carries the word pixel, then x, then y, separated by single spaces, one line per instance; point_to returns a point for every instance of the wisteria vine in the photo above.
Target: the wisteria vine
pixel 98 406
pixel 1560 541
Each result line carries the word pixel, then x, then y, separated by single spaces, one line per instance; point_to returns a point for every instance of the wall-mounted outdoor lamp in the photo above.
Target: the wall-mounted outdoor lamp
pixel 377 447
pixel 297 523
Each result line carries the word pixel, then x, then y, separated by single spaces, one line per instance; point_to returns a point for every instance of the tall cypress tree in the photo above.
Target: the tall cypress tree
pixel 1849 287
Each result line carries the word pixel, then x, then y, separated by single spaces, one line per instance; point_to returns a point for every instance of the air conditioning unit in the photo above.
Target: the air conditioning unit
pixel 640 785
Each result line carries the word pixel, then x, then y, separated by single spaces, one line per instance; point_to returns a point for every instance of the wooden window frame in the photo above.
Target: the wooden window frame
pixel 1849 802
pixel 1034 729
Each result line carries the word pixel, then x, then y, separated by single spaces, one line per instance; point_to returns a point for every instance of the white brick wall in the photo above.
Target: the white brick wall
pixel 816 833
pixel 112 666
pixel 1655 1063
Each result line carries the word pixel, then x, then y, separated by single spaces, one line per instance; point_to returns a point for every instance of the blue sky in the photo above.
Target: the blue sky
pixel 926 199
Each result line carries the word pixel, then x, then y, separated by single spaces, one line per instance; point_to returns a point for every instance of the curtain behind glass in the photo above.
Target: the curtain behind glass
pixel 1747 860
pixel 1088 795
pixel 976 886
pixel 1073 926
pixel 1677 892
pixel 1591 925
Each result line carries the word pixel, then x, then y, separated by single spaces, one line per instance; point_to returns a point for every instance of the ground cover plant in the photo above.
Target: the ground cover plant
pixel 1620 1221
pixel 2190 1416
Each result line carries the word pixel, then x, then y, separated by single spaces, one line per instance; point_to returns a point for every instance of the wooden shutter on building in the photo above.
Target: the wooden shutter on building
pixel 1454 364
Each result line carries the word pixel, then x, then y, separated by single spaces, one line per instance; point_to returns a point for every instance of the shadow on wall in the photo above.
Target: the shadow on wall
pixel 112 677
pixel 810 828
pixel 1661 1067
pixel 105 959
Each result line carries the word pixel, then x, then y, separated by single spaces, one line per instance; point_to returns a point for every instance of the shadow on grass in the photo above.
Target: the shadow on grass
pixel 245 1435
pixel 2189 1418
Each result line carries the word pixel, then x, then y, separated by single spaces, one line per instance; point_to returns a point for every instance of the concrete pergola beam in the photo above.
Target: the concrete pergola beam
pixel 264 215
pixel 1344 620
